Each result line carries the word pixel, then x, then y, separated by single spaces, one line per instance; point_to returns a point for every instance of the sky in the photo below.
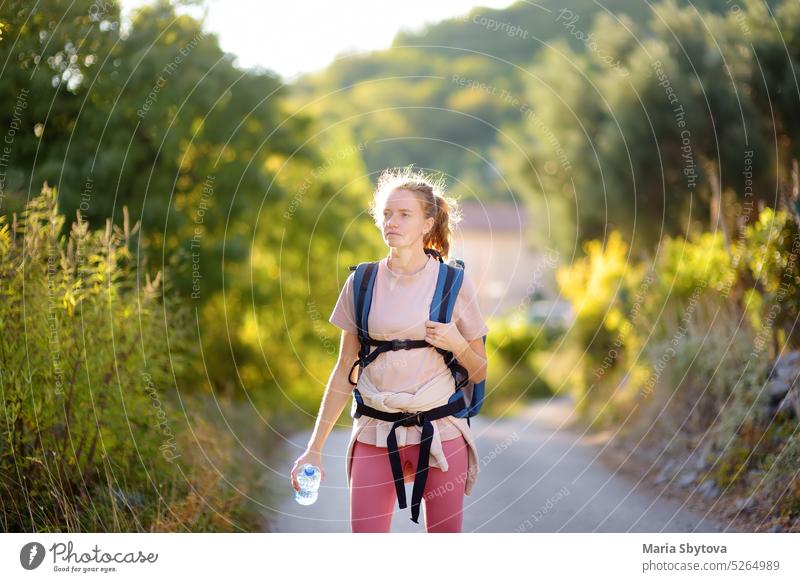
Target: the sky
pixel 295 36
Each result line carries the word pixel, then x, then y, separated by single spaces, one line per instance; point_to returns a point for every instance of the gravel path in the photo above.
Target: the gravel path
pixel 537 475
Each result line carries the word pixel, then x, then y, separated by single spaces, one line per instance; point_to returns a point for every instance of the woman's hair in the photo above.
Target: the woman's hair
pixel 432 196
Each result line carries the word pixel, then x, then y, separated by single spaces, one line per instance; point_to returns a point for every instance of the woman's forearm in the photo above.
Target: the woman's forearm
pixel 337 395
pixel 472 361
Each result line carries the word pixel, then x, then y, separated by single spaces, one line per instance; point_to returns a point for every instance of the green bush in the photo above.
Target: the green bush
pixel 513 375
pixel 771 273
pixel 91 438
pixel 686 353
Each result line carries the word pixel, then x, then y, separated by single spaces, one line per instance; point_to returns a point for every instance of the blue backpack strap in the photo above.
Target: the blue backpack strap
pixel 451 276
pixel 363 285
pixel 448 285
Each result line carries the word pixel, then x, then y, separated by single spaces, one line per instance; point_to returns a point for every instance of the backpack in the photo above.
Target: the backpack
pixel 448 284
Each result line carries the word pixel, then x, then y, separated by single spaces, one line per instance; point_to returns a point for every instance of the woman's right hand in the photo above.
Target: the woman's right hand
pixel 312 458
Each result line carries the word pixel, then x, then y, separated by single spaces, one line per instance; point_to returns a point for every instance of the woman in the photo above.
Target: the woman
pixel 416 220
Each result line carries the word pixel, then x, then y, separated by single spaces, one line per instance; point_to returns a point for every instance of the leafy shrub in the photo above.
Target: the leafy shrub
pixel 691 348
pixel 513 375
pixel 772 273
pixel 91 438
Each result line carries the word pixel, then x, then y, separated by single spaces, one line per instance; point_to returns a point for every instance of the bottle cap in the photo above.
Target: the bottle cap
pixel 309 470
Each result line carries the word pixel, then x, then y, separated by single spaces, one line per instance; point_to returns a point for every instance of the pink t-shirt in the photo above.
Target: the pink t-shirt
pixel 400 307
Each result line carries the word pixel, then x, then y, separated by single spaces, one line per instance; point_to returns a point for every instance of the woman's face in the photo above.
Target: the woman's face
pixel 404 221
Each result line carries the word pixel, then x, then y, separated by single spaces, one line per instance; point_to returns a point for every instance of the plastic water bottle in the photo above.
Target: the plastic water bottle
pixel 308 477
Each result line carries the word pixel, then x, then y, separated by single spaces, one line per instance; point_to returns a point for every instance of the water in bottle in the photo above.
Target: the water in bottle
pixel 308 477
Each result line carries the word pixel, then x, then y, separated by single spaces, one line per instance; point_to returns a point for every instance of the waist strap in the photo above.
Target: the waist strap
pixel 420 418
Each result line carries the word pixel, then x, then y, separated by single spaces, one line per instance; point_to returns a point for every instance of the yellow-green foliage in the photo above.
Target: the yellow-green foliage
pixel 513 375
pixel 605 288
pixel 772 274
pixel 92 437
pixel 685 266
pixel 513 339
pixel 621 303
pixel 768 250
pixel 592 283
pixel 688 348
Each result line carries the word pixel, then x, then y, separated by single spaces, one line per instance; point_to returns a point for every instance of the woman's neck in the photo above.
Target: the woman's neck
pixel 406 261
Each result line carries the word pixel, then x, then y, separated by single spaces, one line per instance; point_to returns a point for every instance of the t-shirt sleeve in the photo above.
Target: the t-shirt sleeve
pixel 343 313
pixel 466 312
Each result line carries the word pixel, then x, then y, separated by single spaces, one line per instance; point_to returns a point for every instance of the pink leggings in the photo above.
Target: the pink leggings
pixel 372 492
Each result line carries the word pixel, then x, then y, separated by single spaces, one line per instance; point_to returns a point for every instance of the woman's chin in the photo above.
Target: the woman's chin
pixel 393 242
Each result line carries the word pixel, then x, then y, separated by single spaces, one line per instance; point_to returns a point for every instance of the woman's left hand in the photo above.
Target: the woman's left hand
pixel 445 336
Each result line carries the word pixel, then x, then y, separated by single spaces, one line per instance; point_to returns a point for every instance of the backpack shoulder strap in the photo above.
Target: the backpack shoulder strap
pixel 363 284
pixel 448 284
pixel 459 262
pixel 364 276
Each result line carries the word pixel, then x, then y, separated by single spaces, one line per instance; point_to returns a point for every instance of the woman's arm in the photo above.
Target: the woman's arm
pixel 337 393
pixel 472 355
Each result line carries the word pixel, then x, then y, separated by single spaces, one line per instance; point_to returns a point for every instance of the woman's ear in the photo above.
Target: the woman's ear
pixel 429 222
